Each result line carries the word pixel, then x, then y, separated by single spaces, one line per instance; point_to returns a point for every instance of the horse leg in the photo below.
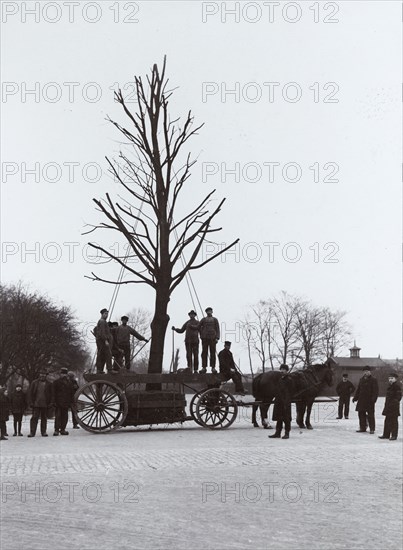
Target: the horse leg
pixel 300 414
pixel 308 415
pixel 264 412
pixel 254 421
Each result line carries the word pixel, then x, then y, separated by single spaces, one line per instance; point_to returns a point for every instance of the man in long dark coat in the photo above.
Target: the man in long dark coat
pixel 344 390
pixel 75 386
pixel 391 410
pixel 191 330
pixel 4 412
pixel 366 395
pixel 63 394
pixel 228 368
pixel 40 398
pixel 282 404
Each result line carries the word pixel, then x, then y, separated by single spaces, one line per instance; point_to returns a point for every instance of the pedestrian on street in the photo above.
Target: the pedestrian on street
pixel 4 412
pixel 123 333
pixel 209 329
pixel 75 386
pixel 366 395
pixel 104 343
pixel 63 394
pixel 391 410
pixel 228 368
pixel 191 329
pixel 40 399
pixel 344 390
pixel 18 406
pixel 282 404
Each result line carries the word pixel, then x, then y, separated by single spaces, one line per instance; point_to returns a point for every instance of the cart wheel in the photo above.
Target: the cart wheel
pixel 101 406
pixel 216 409
pixel 192 407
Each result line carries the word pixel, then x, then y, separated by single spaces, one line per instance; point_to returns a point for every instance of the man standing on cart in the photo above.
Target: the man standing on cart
pixel 123 333
pixel 191 327
pixel 104 343
pixel 209 329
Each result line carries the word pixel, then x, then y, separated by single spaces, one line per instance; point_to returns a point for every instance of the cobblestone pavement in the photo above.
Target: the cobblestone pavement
pixel 185 487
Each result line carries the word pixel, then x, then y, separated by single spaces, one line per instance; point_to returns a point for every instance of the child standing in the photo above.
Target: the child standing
pixel 18 406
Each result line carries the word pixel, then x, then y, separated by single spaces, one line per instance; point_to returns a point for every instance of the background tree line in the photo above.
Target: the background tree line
pixel 292 330
pixel 36 334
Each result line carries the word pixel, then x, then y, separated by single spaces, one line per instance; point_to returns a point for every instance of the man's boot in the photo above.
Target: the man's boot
pixel 286 435
pixel 275 435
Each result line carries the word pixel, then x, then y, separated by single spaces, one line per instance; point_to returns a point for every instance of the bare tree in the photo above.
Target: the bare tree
pixel 336 332
pixel 284 337
pixel 154 177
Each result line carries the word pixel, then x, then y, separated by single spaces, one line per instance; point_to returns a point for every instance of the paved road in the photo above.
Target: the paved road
pixel 185 487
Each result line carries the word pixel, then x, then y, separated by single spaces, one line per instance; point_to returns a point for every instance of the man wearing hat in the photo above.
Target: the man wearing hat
pixel 40 399
pixel 391 410
pixel 344 390
pixel 209 329
pixel 191 330
pixel 366 395
pixel 282 404
pixel 63 394
pixel 123 333
pixel 104 343
pixel 228 368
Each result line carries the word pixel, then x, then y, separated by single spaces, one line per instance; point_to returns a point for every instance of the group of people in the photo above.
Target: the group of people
pixel 365 396
pixel 113 343
pixel 42 396
pixel 208 329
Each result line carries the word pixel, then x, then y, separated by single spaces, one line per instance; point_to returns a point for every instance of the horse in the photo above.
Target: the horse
pixel 309 382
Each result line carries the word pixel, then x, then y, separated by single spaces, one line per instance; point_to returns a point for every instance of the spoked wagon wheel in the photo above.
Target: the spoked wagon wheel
pixel 101 406
pixel 216 409
pixel 192 406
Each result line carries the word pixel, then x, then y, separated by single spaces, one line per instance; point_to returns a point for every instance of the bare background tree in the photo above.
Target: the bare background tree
pixel 35 334
pixel 153 178
pixel 288 329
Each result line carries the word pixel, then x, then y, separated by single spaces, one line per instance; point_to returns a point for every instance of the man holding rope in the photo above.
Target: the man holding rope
pixel 228 368
pixel 123 333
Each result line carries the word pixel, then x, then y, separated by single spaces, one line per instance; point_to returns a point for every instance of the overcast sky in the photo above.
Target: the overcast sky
pixel 317 85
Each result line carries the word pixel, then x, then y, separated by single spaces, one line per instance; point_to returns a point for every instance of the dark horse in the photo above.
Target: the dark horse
pixel 308 384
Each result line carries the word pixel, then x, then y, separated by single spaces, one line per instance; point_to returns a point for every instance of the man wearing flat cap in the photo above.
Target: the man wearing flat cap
pixel 104 343
pixel 366 395
pixel 391 410
pixel 228 368
pixel 123 333
pixel 282 404
pixel 344 390
pixel 63 394
pixel 209 329
pixel 191 330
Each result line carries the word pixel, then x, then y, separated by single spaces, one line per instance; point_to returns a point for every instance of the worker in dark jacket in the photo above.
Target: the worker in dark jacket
pixel 62 399
pixel 18 405
pixel 366 395
pixel 191 330
pixel 391 410
pixel 75 386
pixel 344 390
pixel 117 352
pixel 209 329
pixel 104 343
pixel 4 412
pixel 40 399
pixel 123 333
pixel 282 404
pixel 228 368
